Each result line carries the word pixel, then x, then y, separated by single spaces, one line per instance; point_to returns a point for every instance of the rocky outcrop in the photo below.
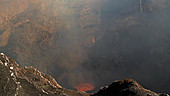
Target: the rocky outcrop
pixel 127 87
pixel 28 81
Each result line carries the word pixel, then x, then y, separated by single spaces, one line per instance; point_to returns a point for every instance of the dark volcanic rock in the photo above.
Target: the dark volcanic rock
pixel 28 81
pixel 127 87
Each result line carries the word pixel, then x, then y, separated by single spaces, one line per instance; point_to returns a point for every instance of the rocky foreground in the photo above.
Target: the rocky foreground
pixel 28 81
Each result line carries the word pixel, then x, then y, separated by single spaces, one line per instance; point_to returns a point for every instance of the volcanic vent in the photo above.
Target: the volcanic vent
pixel 85 87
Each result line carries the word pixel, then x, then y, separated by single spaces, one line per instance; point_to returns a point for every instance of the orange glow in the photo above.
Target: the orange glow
pixel 85 87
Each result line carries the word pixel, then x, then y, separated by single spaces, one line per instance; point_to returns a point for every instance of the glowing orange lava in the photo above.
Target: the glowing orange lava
pixel 85 87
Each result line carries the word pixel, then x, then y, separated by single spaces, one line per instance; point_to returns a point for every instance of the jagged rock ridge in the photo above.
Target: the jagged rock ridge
pixel 28 81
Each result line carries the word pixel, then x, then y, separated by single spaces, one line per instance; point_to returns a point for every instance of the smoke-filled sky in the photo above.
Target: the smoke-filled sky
pixel 90 41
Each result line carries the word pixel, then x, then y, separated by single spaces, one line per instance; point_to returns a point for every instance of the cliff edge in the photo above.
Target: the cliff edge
pixel 28 81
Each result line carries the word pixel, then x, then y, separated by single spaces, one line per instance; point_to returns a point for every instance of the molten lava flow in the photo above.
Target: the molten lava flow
pixel 85 87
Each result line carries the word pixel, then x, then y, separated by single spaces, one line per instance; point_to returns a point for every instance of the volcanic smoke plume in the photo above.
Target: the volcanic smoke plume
pixel 95 41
